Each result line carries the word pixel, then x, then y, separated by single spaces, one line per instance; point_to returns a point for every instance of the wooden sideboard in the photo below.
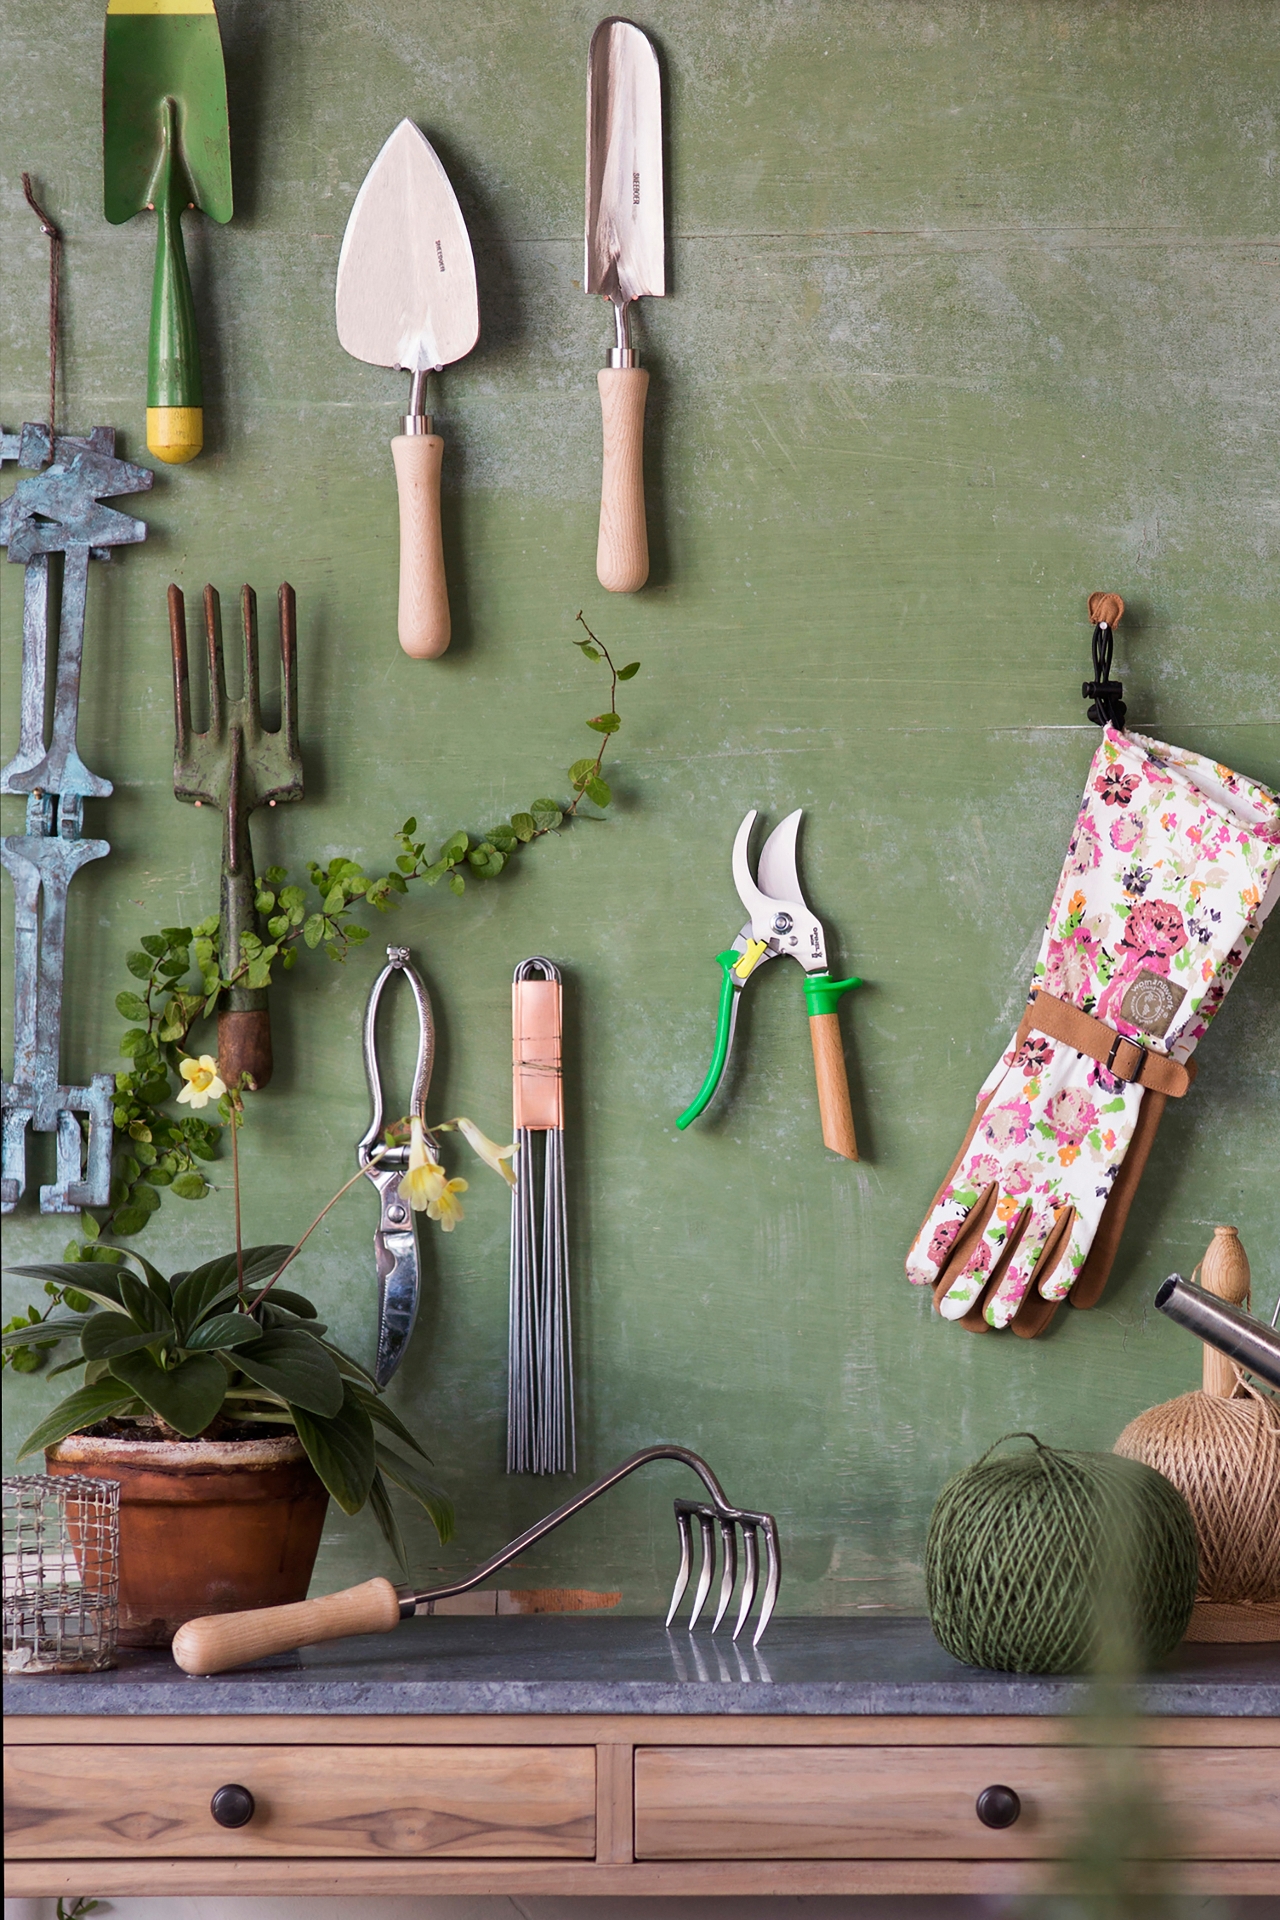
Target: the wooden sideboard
pixel 694 1801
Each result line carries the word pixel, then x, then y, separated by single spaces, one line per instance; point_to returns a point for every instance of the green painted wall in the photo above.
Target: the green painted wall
pixel 973 309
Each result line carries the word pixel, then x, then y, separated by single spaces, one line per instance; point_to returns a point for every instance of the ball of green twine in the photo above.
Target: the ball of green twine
pixel 1048 1562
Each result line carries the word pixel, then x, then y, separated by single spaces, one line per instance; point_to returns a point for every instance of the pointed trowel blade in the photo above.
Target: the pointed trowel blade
pixel 406 292
pixel 625 227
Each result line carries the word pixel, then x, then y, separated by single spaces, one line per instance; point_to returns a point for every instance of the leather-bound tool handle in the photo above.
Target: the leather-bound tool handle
pixel 221 1640
pixel 244 1047
pixel 833 1084
pixel 622 553
pixel 537 1082
pixel 423 622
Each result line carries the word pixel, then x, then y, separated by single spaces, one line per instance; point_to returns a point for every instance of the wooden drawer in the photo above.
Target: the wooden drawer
pixel 917 1803
pixel 140 1802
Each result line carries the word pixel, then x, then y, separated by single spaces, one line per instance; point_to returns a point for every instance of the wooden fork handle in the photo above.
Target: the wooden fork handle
pixel 221 1640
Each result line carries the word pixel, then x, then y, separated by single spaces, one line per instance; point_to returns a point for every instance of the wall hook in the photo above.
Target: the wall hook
pixel 1108 709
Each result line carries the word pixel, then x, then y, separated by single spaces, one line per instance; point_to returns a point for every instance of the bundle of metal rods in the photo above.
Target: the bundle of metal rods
pixel 540 1422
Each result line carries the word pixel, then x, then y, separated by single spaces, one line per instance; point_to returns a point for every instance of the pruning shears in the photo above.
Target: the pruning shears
pixel 781 923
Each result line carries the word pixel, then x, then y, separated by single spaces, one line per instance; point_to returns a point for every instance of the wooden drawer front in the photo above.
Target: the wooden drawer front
pixel 902 1803
pixel 484 1803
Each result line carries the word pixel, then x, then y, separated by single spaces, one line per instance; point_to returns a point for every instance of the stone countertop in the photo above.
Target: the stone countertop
pixel 575 1664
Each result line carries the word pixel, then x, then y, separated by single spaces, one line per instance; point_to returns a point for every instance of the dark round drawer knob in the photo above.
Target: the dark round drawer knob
pixel 233 1806
pixel 997 1806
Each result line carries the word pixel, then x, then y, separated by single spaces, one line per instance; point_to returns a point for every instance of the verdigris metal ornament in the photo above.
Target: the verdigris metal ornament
pixel 58 511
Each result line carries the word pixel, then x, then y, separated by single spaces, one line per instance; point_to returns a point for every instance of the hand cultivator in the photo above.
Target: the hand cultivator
pixel 57 511
pixel 237 765
pixel 223 1640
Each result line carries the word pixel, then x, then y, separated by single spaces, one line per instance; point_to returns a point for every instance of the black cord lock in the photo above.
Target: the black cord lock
pixel 1106 694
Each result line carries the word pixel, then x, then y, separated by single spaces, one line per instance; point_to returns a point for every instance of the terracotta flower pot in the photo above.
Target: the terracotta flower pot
pixel 206 1526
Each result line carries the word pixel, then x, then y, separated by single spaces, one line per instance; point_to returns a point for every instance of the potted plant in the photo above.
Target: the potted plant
pixel 215 1398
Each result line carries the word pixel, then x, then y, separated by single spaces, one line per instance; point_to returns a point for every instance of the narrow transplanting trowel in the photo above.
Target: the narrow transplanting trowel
pixel 625 258
pixel 406 297
pixel 165 147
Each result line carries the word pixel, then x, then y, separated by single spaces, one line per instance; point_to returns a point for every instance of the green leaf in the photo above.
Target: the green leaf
pixel 224 1330
pixel 139 965
pixel 605 723
pixel 486 860
pixel 133 1041
pixel 207 929
pixel 187 1397
pixel 456 883
pixel 47 1331
pixel 454 847
pixel 410 827
pixel 130 1006
pixel 129 1220
pixel 386 1519
pixel 190 1186
pixel 296 1366
pixel 346 1365
pixel 630 672
pixel 523 825
pixel 156 944
pixel 196 1293
pixel 282 1296
pixel 145 1196
pixel 580 772
pixel 265 900
pixel 108 1334
pixel 378 1411
pixel 259 974
pixel 81 1409
pixel 313 931
pixel 598 791
pixel 143 1305
pixel 88 1279
pixel 592 653
pixel 341 1449
pixel 436 1501
pixel 274 1316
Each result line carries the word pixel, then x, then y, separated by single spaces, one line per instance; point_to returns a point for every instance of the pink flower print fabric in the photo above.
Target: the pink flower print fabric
pixel 1172 866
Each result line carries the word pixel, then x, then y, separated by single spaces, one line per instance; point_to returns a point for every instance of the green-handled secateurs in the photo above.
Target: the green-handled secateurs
pixel 781 923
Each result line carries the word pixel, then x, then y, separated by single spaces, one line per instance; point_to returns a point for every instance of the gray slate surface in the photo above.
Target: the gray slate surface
pixel 576 1664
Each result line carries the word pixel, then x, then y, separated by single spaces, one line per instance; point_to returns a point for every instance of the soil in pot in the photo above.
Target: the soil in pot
pixel 206 1526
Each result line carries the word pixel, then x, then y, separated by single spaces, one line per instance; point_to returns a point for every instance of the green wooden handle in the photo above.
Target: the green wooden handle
pixel 175 418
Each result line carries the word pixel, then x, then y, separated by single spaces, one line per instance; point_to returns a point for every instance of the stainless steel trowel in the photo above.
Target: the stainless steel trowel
pixel 406 297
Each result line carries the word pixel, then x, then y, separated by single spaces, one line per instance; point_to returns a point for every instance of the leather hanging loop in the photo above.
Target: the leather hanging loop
pixel 1108 707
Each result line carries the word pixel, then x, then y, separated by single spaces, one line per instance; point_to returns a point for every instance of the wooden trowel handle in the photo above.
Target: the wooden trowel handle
pixel 622 554
pixel 424 597
pixel 222 1640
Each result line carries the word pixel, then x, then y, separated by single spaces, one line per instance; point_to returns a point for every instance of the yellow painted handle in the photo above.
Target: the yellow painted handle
pixel 221 1640
pixel 424 597
pixel 622 553
pixel 833 1084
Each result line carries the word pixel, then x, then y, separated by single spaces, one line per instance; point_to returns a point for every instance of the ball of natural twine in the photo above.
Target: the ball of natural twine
pixel 1034 1558
pixel 1224 1458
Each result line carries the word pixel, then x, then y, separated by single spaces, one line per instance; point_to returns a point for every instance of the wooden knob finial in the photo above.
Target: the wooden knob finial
pixel 1224 1271
pixel 1106 610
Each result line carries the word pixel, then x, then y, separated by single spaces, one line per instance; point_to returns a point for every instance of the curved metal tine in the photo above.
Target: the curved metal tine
pixel 728 1579
pixel 750 1576
pixel 773 1557
pixel 707 1526
pixel 685 1525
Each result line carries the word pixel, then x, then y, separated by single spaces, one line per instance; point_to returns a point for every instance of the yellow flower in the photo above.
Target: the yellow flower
pixel 446 1207
pixel 425 1180
pixel 203 1084
pixel 493 1155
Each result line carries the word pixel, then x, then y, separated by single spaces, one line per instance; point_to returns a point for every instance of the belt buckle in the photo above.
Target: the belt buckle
pixel 1142 1053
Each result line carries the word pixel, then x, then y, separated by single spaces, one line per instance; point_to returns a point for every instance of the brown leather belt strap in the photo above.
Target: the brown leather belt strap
pixel 1125 1059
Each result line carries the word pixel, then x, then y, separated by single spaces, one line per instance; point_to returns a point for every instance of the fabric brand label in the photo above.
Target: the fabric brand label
pixel 1151 1002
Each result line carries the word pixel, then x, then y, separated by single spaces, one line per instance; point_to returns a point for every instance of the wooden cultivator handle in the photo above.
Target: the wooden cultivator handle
pixel 221 1640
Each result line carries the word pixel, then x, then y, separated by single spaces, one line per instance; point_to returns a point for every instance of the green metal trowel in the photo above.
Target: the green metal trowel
pixel 165 147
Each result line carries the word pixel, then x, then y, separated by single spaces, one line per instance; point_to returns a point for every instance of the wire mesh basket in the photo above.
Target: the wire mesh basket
pixel 61 1573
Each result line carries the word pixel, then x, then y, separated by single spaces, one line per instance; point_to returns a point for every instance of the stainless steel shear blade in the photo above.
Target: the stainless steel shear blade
pixel 395 1244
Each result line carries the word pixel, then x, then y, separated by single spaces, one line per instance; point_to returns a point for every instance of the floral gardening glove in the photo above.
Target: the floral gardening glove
pixel 1164 888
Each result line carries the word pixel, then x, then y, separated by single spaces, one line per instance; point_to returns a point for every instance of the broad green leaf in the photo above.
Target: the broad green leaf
pixel 147 1311
pixel 502 837
pixel 133 1041
pixel 386 1519
pixel 313 930
pixel 154 1278
pixel 456 883
pixel 190 1186
pixel 410 827
pixel 131 1006
pixel 454 847
pixel 341 1449
pixel 223 1330
pixel 592 653
pixel 89 1227
pixel 86 1277
pixel 139 965
pixel 294 1365
pixel 79 1410
pixel 605 723
pixel 197 1292
pixel 275 1314
pixel 49 1331
pixel 284 1297
pixel 598 791
pixel 144 1195
pixel 130 1220
pixel 156 944
pixel 546 814
pixel 346 1365
pixel 379 1412
pixel 187 1397
pixel 629 672
pixel 436 1501
pixel 581 771
pixel 523 825
pixel 108 1334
